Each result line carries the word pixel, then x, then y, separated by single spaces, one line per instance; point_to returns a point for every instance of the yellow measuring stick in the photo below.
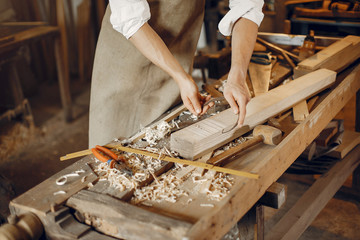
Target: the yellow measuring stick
pixel 168 159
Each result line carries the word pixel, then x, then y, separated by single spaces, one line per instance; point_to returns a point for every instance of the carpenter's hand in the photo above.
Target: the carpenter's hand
pixel 237 96
pixel 191 97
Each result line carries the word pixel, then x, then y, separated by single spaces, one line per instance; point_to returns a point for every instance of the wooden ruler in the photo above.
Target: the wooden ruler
pixel 166 158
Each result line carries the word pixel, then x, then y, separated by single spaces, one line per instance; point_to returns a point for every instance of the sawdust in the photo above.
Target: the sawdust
pixel 167 186
pixel 15 136
pixel 156 133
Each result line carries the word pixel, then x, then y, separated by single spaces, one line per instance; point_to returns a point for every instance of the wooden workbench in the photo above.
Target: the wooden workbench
pixel 180 219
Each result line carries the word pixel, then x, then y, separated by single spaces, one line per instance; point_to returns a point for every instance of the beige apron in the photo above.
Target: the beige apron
pixel 127 90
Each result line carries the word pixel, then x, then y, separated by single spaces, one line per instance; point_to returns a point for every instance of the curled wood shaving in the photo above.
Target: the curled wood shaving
pixel 166 188
pixel 154 134
pixel 207 205
pixel 220 186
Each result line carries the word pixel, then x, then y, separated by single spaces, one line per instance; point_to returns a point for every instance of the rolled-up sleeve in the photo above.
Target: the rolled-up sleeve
pixel 249 9
pixel 127 16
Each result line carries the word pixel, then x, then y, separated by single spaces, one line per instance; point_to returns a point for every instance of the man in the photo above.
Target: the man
pixel 142 63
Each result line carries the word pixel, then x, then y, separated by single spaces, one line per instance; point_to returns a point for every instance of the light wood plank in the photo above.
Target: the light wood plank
pixel 300 111
pixel 260 77
pixel 206 135
pixel 300 216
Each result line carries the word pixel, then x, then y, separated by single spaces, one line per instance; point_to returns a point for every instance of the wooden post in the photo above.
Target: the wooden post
pixel 62 62
pixel 357 111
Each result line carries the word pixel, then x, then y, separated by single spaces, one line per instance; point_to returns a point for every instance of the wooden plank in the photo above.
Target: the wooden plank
pixel 335 57
pixel 260 77
pixel 206 135
pixel 300 111
pixel 123 220
pixel 300 216
pixel 41 197
pixel 246 192
pixel 349 141
pixel 279 73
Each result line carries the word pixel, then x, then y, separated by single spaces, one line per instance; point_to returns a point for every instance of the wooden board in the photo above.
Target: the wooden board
pixel 260 77
pixel 300 111
pixel 335 57
pixel 349 141
pixel 40 202
pixel 123 220
pixel 207 135
pixel 300 216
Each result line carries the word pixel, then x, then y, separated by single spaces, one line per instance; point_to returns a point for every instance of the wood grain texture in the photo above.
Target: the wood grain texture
pixel 40 198
pixel 207 135
pixel 260 77
pixel 300 216
pixel 123 220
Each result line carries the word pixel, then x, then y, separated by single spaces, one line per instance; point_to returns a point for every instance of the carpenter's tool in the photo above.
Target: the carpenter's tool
pixel 217 104
pixel 263 58
pixel 266 134
pixel 106 155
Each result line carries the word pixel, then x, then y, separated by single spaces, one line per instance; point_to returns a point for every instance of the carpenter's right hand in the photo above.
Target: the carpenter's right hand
pixel 191 97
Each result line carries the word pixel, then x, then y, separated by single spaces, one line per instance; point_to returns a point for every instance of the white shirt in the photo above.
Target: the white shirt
pixel 127 16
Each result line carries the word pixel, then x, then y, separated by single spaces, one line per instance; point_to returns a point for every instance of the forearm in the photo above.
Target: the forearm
pixel 148 42
pixel 243 41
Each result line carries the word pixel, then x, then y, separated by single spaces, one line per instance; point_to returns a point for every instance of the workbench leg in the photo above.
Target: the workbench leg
pixel 260 220
pixel 356 179
pixel 357 112
pixel 15 85
pixel 63 78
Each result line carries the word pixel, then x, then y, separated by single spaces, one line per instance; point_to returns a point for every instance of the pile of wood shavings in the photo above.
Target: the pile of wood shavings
pixel 142 166
pixel 220 186
pixel 154 134
pixel 164 188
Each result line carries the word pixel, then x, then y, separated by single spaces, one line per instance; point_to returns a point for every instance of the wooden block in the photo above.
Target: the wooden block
pixel 300 216
pixel 260 77
pixel 206 135
pixel 300 111
pixel 275 196
pixel 349 141
pixel 122 220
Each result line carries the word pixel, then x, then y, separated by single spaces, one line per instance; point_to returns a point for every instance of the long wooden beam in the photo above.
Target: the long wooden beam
pixel 245 193
pixel 208 134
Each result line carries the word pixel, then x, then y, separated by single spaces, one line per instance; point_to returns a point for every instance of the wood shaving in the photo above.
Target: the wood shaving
pixel 59 192
pixel 220 186
pixel 207 205
pixel 154 134
pixel 165 189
